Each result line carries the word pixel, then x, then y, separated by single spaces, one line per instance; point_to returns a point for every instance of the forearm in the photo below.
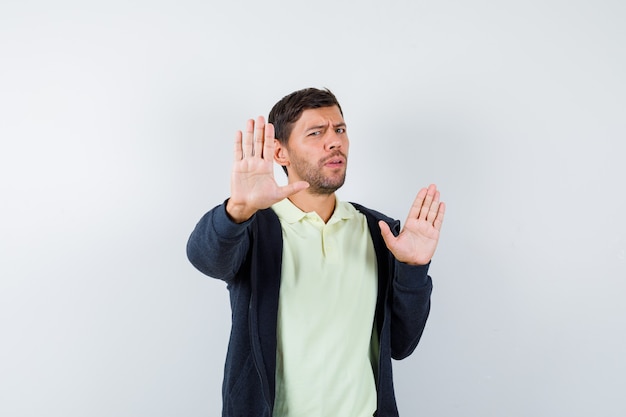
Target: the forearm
pixel 412 288
pixel 218 246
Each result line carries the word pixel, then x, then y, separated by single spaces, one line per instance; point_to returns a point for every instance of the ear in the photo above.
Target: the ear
pixel 281 154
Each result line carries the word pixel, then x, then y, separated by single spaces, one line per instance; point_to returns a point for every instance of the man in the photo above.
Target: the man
pixel 323 292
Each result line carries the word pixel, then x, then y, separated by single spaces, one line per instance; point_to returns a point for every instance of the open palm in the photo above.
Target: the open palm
pixel 252 183
pixel 417 241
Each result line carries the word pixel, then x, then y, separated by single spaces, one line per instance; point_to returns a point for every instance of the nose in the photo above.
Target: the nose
pixel 334 141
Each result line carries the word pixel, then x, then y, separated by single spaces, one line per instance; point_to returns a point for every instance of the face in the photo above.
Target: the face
pixel 317 150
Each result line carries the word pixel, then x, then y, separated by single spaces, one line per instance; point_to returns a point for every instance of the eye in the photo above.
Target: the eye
pixel 315 133
pixel 341 130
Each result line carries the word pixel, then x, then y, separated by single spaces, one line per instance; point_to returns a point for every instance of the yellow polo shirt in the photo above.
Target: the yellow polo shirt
pixel 327 354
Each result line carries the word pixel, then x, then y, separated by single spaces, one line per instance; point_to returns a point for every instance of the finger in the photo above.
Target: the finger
pixel 388 236
pixel 414 212
pixel 268 147
pixel 291 189
pixel 428 200
pixel 440 214
pixel 259 134
pixel 238 153
pixel 433 209
pixel 248 138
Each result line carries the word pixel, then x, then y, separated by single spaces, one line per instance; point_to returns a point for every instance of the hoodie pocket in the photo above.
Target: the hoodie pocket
pixel 245 398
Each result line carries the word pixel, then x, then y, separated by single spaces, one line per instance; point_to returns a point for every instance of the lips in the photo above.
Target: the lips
pixel 334 161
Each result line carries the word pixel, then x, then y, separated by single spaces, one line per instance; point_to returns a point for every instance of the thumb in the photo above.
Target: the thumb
pixel 291 189
pixel 385 231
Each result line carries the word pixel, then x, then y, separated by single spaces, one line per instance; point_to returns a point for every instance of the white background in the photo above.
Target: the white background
pixel 116 127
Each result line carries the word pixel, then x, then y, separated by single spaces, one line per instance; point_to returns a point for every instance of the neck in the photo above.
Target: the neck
pixel 322 204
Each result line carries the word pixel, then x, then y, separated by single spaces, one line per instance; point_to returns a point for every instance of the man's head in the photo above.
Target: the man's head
pixel 312 140
pixel 289 109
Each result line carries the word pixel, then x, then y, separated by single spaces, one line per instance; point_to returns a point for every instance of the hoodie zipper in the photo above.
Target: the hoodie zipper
pixel 257 355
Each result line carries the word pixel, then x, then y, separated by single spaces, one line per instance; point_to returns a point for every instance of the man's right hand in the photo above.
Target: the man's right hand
pixel 252 183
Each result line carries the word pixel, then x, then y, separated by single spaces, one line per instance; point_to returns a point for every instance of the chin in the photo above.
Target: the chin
pixel 327 187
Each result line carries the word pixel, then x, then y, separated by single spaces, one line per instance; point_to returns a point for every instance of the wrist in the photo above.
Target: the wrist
pixel 238 212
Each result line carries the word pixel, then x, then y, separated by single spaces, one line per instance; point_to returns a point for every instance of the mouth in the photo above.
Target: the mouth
pixel 335 161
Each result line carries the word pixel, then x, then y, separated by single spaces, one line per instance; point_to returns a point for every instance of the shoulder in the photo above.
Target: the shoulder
pixel 373 217
pixel 265 220
pixel 376 215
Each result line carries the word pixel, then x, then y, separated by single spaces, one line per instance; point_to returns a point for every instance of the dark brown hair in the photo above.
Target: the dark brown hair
pixel 289 109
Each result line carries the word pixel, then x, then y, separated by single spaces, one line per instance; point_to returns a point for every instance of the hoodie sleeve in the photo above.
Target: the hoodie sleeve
pixel 412 287
pixel 218 246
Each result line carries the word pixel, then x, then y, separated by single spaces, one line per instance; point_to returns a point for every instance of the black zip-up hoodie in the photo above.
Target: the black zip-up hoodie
pixel 248 257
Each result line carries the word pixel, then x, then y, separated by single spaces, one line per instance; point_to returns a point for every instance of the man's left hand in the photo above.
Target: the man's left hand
pixel 417 241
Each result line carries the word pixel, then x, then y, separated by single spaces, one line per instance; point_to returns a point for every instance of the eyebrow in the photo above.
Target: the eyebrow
pixel 342 124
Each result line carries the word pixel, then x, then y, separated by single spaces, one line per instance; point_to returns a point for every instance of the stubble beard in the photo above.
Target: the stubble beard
pixel 319 183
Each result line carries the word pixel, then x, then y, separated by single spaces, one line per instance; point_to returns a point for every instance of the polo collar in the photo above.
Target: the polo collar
pixel 288 212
